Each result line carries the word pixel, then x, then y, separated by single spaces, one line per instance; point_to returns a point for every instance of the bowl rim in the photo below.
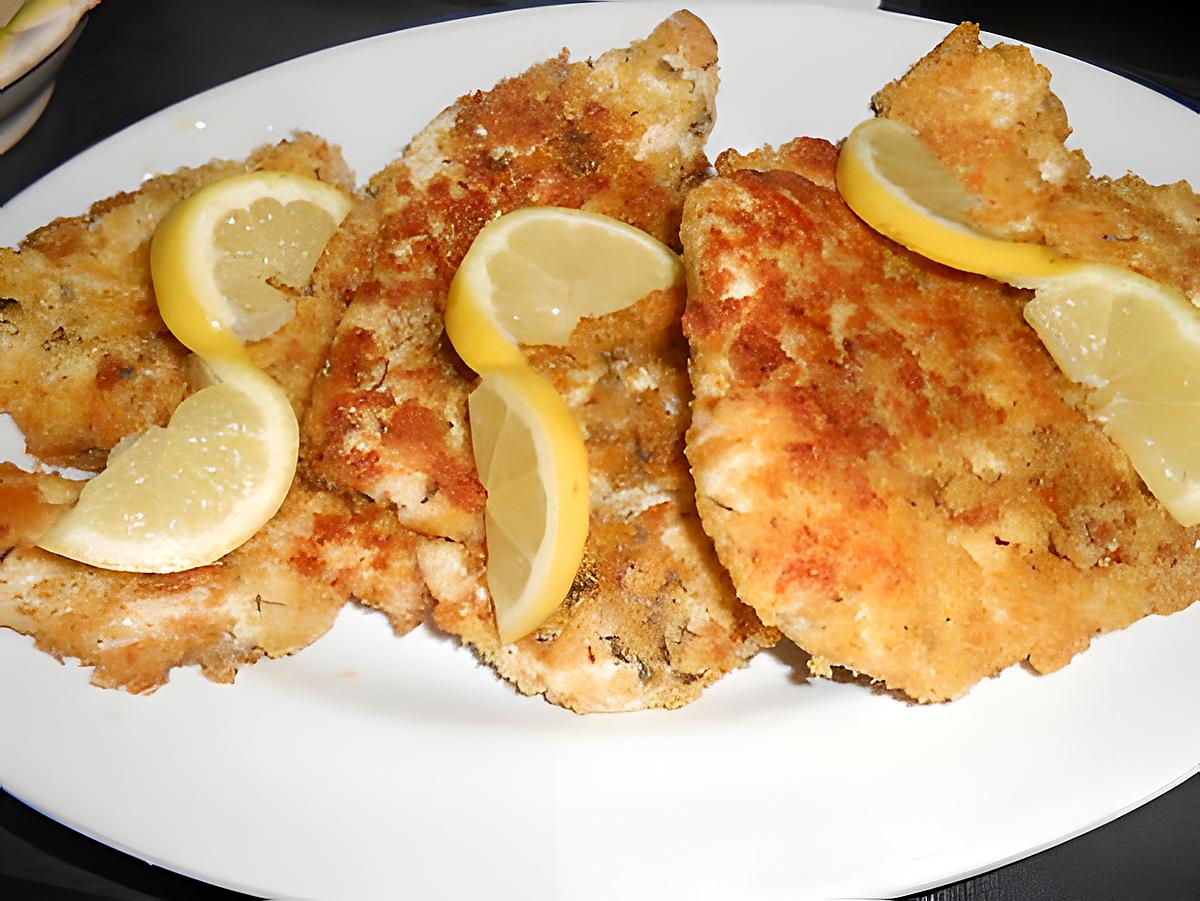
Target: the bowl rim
pixel 68 38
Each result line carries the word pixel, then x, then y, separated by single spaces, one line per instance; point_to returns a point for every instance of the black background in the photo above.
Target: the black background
pixel 138 56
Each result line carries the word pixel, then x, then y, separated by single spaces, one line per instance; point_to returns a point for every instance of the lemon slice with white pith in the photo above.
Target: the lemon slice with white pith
pixel 218 256
pixel 532 274
pixel 900 188
pixel 185 495
pixel 532 460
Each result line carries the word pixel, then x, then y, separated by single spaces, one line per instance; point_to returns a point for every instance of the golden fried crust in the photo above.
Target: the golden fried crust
pixel 652 618
pixel 989 114
pixel 85 358
pixel 277 593
pixel 622 135
pixel 892 468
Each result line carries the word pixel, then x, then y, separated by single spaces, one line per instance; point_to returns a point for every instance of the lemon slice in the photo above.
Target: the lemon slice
pixel 901 189
pixel 183 496
pixel 532 461
pixel 217 255
pixel 1137 342
pixel 533 273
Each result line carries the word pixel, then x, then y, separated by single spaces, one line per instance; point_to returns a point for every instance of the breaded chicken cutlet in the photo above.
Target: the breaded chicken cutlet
pixel 651 618
pixel 891 466
pixel 85 360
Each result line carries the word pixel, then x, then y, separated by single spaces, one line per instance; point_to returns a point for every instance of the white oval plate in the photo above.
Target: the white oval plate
pixel 368 766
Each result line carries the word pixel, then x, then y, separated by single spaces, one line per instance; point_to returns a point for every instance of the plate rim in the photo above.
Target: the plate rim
pixel 472 20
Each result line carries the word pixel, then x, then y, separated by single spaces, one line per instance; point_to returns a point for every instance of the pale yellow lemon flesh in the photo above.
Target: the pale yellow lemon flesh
pixel 217 254
pixel 185 495
pixel 1133 341
pixel 532 461
pixel 1137 343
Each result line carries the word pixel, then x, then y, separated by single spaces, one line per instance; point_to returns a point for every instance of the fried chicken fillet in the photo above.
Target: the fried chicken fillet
pixel 84 361
pixel 892 468
pixel 652 618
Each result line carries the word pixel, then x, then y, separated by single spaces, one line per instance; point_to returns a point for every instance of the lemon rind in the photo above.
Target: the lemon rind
pixel 890 211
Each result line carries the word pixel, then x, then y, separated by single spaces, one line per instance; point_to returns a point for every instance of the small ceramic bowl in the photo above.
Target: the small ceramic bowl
pixel 31 52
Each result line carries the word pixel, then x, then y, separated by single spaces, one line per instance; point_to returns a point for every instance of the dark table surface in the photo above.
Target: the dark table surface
pixel 152 53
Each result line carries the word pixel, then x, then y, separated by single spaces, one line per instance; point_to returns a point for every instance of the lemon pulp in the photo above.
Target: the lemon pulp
pixel 1137 343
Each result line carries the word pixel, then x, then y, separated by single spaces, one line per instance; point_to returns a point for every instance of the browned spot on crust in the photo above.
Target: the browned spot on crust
pixel 415 431
pixel 112 371
pixel 30 503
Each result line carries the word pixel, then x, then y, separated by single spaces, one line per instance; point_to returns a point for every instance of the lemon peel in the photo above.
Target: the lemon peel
pixel 901 189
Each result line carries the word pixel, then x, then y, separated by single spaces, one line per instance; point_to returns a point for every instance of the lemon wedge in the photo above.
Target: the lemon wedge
pixel 183 496
pixel 532 461
pixel 533 273
pixel 1132 340
pixel 218 255
pixel 1137 343
pixel 901 189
